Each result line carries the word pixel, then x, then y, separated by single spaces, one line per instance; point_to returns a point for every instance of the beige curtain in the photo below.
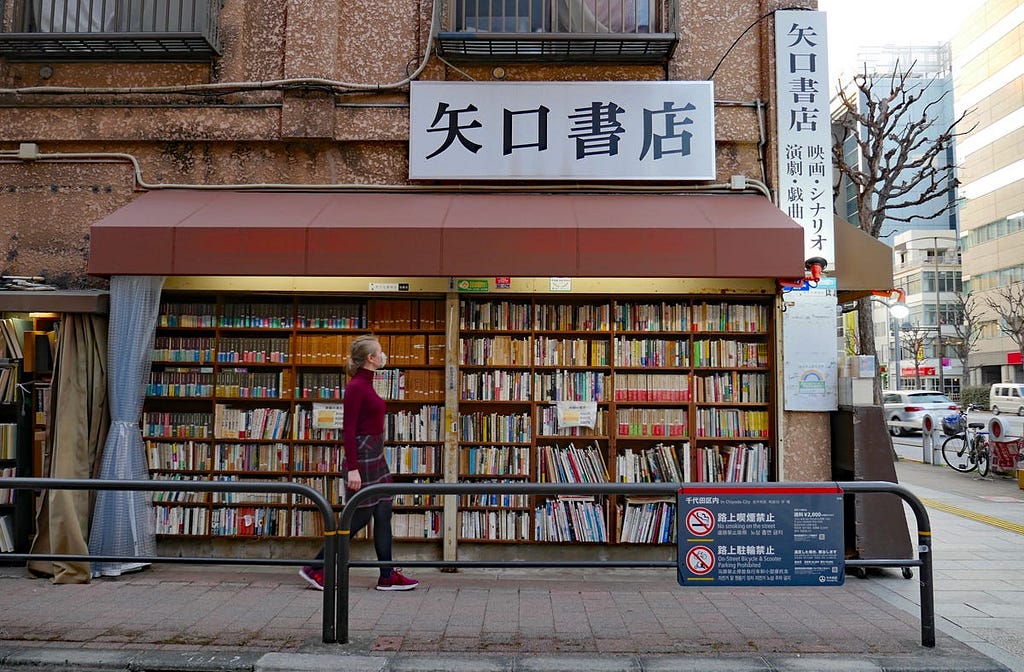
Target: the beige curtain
pixel 79 420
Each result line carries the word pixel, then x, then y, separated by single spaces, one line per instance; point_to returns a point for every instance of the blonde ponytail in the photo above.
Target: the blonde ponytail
pixel 361 348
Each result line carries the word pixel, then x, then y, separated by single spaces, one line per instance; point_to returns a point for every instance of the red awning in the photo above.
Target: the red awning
pixel 441 235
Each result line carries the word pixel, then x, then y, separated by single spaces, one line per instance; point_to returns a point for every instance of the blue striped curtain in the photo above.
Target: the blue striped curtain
pixel 122 522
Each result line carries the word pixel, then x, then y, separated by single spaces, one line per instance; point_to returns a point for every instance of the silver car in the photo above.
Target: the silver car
pixel 908 408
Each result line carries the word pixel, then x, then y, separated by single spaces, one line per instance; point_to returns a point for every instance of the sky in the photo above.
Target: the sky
pixel 855 23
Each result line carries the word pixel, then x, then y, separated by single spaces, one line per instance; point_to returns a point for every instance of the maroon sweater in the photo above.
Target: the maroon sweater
pixel 364 414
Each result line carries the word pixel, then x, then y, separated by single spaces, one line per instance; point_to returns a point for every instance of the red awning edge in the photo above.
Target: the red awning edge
pixel 218 233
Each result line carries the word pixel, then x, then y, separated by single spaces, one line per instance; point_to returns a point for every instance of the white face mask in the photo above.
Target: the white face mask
pixel 383 360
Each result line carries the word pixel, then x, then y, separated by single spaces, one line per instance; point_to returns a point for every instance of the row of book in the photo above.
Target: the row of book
pixel 572 317
pixel 8 383
pixel 373 314
pixel 249 423
pixel 410 384
pixel 254 350
pixel 8 441
pixel 569 352
pixel 249 497
pixel 738 317
pixel 572 386
pixel 307 425
pixel 645 520
pixel 319 385
pixel 652 387
pixel 741 463
pixel 12 337
pixel 494 351
pixel 6 534
pixel 732 387
pixel 564 519
pixel 245 384
pixel 652 317
pixel 571 464
pixel 181 382
pixel 657 464
pixel 7 494
pixel 494 460
pixel 423 425
pixel 410 459
pixel 729 354
pixel 653 352
pixel 192 349
pixel 494 428
pixel 495 386
pixel 728 422
pixel 642 422
pixel 494 525
pixel 494 315
pixel 251 457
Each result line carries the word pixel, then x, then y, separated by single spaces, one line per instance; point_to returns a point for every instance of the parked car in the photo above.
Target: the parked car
pixel 910 406
pixel 1007 397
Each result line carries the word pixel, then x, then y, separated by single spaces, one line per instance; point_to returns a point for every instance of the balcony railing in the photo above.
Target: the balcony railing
pixel 77 30
pixel 619 31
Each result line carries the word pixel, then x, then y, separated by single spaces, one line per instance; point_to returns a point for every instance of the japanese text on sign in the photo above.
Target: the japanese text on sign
pixel 805 138
pixel 750 535
pixel 562 130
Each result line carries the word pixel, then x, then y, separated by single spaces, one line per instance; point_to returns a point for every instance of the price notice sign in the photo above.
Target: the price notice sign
pixel 761 536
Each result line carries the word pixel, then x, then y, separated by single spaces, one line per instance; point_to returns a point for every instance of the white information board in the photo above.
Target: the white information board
pixel 810 350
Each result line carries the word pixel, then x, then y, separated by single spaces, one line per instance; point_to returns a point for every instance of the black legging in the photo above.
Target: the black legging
pixel 380 513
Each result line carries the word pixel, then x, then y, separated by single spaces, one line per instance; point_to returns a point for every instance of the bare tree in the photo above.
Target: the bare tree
pixel 1009 306
pixel 967 329
pixel 901 158
pixel 912 339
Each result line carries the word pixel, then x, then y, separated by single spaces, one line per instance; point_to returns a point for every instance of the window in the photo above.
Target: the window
pixel 119 16
pixel 562 16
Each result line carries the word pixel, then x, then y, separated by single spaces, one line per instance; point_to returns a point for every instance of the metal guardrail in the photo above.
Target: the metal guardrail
pixel 283 487
pixel 924 534
pixel 337 538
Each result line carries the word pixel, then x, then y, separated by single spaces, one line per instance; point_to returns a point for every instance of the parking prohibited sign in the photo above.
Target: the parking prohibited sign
pixel 761 535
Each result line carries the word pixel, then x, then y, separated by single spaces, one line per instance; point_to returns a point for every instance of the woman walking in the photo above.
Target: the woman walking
pixel 363 441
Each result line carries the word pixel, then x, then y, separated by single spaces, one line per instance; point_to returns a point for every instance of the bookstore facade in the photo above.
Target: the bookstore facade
pixel 570 274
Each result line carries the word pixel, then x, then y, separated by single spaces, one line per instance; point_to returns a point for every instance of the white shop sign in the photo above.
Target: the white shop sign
pixel 562 130
pixel 805 133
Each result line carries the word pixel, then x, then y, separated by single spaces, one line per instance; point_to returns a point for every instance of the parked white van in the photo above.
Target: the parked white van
pixel 1008 397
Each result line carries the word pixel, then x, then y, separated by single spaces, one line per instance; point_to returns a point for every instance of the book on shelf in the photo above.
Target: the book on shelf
pixel 6 535
pixel 14 329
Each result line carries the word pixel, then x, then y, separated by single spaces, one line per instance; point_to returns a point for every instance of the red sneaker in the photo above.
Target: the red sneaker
pixel 397 581
pixel 313 576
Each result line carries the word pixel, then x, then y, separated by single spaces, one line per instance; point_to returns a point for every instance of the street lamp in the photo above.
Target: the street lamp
pixel 897 311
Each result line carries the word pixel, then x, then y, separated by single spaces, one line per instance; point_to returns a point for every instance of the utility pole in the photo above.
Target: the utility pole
pixel 938 317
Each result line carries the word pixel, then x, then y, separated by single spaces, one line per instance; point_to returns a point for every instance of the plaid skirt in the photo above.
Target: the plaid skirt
pixel 372 466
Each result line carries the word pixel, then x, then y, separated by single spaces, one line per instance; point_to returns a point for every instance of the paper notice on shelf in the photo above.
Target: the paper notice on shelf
pixel 576 414
pixel 328 416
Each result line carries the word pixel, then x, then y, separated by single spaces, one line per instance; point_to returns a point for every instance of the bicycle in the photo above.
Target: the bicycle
pixel 967 447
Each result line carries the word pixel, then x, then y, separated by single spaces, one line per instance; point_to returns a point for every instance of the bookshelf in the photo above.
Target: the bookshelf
pixel 247 389
pixel 680 387
pixel 681 390
pixel 16 434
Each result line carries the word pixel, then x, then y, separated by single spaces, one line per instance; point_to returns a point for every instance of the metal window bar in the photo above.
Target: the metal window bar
pixel 117 16
pixel 611 17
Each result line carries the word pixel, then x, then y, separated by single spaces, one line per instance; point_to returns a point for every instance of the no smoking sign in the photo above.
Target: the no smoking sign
pixel 700 522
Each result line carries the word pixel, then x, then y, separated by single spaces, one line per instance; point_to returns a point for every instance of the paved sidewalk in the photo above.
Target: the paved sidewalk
pixel 174 617
pixel 630 619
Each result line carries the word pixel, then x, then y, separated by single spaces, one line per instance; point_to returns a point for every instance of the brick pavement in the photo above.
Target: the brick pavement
pixel 505 611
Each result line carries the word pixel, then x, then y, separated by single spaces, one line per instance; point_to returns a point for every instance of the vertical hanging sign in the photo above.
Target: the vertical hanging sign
pixel 805 136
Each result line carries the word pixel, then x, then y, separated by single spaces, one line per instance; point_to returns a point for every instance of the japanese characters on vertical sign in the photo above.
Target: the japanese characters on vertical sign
pixel 562 130
pixel 805 137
